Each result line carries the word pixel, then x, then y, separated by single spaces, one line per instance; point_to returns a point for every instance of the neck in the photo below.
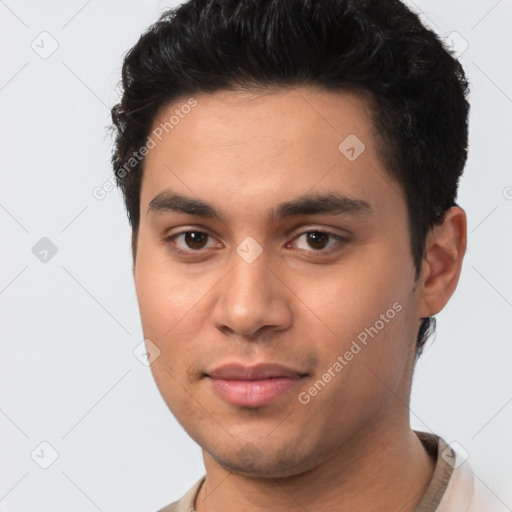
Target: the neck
pixel 375 471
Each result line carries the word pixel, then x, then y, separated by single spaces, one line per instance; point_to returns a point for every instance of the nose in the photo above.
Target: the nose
pixel 252 297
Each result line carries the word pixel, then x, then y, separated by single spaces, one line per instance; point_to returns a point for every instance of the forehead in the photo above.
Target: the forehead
pixel 229 118
pixel 285 142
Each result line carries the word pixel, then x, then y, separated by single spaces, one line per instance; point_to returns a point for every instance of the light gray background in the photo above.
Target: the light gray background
pixel 69 325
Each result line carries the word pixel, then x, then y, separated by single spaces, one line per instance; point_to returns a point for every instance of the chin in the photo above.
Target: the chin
pixel 260 461
pixel 261 469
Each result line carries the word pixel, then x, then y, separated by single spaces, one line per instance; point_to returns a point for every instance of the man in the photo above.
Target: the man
pixel 290 171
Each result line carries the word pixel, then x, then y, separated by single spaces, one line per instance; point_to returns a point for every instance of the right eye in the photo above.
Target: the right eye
pixel 188 242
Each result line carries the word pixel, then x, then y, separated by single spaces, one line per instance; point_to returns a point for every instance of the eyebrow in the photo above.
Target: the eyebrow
pixel 327 204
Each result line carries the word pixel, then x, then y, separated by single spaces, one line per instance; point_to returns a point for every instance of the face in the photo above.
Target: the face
pixel 270 233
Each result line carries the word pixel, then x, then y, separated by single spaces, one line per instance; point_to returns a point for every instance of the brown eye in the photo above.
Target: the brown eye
pixel 195 239
pixel 317 239
pixel 188 242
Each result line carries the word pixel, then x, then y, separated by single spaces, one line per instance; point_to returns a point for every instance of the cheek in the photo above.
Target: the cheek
pixel 353 298
pixel 171 305
pixel 164 294
pixel 363 308
pixel 166 307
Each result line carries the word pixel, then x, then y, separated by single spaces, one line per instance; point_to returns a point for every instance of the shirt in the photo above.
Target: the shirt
pixel 452 488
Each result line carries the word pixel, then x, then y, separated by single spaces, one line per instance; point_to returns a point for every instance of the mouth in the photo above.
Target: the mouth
pixel 255 386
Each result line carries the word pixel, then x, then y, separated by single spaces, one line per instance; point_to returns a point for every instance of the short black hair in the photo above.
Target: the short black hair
pixel 418 87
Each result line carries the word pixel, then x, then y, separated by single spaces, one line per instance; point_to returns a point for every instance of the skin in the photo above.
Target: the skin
pixel 351 447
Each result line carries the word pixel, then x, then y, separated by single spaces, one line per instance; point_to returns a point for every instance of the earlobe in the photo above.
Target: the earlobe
pixel 444 252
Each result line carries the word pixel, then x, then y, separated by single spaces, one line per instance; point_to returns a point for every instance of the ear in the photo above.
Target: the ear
pixel 444 251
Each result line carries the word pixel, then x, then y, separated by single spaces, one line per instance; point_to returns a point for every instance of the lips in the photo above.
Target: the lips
pixel 253 386
pixel 258 372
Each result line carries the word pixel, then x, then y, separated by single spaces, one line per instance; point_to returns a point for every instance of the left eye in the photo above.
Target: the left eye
pixel 319 240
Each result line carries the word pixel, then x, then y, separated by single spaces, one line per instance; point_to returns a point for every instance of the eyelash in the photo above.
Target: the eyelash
pixel 340 239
